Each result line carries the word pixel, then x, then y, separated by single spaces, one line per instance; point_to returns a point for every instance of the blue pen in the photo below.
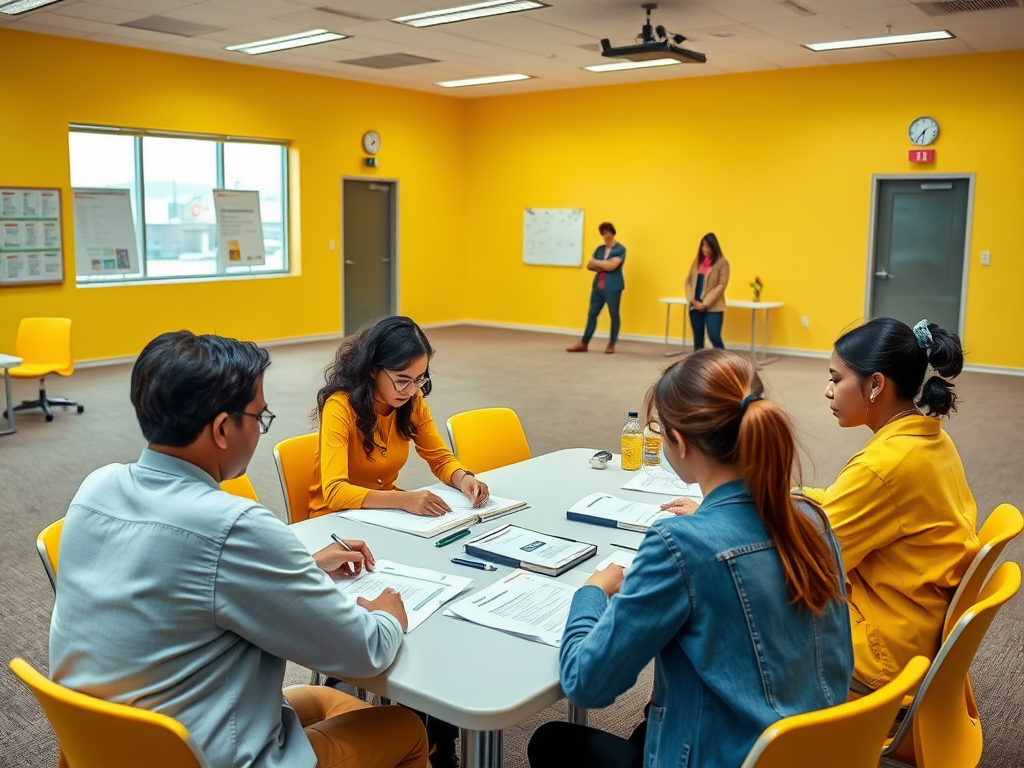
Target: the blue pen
pixel 473 564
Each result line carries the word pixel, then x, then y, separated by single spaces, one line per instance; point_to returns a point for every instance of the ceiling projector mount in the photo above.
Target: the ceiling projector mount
pixel 653 43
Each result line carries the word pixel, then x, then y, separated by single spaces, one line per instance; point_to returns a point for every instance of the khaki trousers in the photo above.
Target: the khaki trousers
pixel 345 731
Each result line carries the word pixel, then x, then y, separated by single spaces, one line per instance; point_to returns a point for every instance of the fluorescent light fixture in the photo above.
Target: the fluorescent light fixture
pixel 620 65
pixel 14 7
pixel 482 80
pixel 298 40
pixel 868 42
pixel 465 12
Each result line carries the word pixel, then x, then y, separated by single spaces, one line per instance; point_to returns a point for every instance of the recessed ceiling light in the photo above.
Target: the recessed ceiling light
pixel 868 42
pixel 14 7
pixel 465 12
pixel 298 40
pixel 482 80
pixel 620 65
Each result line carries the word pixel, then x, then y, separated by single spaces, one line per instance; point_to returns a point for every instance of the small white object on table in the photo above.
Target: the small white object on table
pixel 753 306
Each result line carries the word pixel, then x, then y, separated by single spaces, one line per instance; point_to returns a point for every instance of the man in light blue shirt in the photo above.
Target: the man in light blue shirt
pixel 176 597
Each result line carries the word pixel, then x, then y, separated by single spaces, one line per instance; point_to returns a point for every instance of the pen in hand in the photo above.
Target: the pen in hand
pixel 347 548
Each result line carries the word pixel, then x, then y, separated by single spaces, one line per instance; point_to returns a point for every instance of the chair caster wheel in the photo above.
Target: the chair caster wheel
pixel 81 409
pixel 49 417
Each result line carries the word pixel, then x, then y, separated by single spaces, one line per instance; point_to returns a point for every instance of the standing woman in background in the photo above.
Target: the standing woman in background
pixel 901 506
pixel 705 291
pixel 607 289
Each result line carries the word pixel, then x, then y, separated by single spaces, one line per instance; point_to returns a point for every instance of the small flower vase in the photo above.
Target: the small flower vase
pixel 757 294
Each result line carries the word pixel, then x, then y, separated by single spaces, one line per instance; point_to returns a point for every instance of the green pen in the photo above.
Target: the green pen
pixel 453 538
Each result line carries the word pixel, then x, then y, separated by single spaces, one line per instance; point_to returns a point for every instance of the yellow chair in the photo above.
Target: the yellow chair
pixel 240 486
pixel 294 458
pixel 487 438
pixel 94 733
pixel 1003 525
pixel 939 730
pixel 48 547
pixel 848 735
pixel 44 344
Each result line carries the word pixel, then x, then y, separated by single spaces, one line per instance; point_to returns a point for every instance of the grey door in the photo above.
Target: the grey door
pixel 920 235
pixel 368 252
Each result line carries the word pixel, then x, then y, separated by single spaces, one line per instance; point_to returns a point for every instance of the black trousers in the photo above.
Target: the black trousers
pixel 567 745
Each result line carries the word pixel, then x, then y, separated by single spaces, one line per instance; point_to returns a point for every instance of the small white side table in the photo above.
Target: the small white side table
pixel 758 355
pixel 9 361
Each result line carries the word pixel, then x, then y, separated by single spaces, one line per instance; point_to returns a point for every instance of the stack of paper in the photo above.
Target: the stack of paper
pixel 657 480
pixel 423 591
pixel 605 509
pixel 463 514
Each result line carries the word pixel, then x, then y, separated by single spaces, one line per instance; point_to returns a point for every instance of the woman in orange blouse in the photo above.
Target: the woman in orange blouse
pixel 371 407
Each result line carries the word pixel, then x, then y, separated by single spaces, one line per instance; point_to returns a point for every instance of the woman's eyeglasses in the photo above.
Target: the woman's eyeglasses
pixel 402 384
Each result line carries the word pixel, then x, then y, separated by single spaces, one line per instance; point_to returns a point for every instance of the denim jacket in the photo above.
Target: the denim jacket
pixel 705 598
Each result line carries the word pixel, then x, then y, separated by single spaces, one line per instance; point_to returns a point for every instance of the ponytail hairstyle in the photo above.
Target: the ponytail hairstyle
pixel 902 354
pixel 392 343
pixel 715 400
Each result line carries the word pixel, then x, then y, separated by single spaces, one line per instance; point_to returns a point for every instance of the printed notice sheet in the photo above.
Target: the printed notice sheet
pixel 239 229
pixel 657 480
pixel 423 591
pixel 104 232
pixel 523 604
pixel 462 515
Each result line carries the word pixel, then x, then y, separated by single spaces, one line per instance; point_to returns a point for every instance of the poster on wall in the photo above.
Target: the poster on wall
pixel 104 232
pixel 239 229
pixel 553 236
pixel 31 247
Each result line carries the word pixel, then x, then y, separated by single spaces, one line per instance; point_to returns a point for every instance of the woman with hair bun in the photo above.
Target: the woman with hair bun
pixel 901 507
pixel 740 604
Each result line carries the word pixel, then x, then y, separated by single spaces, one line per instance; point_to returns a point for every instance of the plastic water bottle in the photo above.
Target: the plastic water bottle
pixel 632 443
pixel 651 456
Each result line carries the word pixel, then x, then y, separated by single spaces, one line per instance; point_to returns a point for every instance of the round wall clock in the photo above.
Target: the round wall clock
pixel 923 131
pixel 371 142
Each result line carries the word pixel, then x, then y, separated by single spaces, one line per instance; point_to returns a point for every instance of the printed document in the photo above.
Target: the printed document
pixel 618 557
pixel 523 604
pixel 657 480
pixel 521 545
pixel 463 513
pixel 423 591
pixel 605 509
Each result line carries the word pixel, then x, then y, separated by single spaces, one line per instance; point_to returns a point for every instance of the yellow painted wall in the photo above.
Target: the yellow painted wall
pixel 71 81
pixel 778 164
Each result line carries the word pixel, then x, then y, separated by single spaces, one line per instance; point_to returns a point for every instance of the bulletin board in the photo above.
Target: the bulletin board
pixel 553 236
pixel 31 239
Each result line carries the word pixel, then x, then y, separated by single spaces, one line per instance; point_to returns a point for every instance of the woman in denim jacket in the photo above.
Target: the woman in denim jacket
pixel 740 604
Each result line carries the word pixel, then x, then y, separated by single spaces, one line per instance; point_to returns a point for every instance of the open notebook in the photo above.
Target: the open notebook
pixel 462 514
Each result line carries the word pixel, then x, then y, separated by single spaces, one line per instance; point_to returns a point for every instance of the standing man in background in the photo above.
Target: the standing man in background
pixel 607 289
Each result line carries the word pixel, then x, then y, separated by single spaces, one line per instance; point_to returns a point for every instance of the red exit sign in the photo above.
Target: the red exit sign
pixel 922 155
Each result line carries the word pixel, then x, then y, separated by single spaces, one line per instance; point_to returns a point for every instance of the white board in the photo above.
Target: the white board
pixel 104 232
pixel 553 236
pixel 239 229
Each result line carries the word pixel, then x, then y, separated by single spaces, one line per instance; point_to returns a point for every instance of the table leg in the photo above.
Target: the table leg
pixel 682 350
pixel 10 407
pixel 764 358
pixel 481 749
pixel 577 715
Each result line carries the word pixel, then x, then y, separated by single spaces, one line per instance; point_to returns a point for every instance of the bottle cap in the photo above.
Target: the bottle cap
pixel 633 414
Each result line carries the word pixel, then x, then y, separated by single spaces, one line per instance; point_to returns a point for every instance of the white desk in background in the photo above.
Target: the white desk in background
pixel 9 361
pixel 758 354
pixel 476 678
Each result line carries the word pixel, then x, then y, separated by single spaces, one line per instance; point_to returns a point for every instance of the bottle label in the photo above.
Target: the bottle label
pixel 652 451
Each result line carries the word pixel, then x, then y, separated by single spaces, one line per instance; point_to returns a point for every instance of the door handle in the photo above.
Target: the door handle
pixel 883 273
pixel 385 261
pixel 349 261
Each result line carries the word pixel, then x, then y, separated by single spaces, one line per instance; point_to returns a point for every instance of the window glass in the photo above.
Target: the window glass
pixel 261 167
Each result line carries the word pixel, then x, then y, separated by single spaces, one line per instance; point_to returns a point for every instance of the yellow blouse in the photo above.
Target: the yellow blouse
pixel 342 472
pixel 905 519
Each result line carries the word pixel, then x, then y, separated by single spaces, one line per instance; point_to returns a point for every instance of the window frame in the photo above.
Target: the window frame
pixel 138 134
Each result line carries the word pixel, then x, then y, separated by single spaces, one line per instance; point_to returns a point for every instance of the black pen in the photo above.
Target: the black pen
pixel 625 546
pixel 347 548
pixel 453 538
pixel 474 564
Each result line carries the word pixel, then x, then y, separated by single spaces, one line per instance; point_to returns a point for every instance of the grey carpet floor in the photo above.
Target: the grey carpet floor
pixel 563 400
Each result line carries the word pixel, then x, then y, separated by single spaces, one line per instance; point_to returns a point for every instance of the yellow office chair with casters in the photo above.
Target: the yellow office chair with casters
pixel 48 547
pixel 44 344
pixel 848 735
pixel 94 733
pixel 294 458
pixel 940 728
pixel 487 438
pixel 240 486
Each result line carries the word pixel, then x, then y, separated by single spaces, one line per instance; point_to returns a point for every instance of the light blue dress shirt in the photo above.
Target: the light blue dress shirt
pixel 179 598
